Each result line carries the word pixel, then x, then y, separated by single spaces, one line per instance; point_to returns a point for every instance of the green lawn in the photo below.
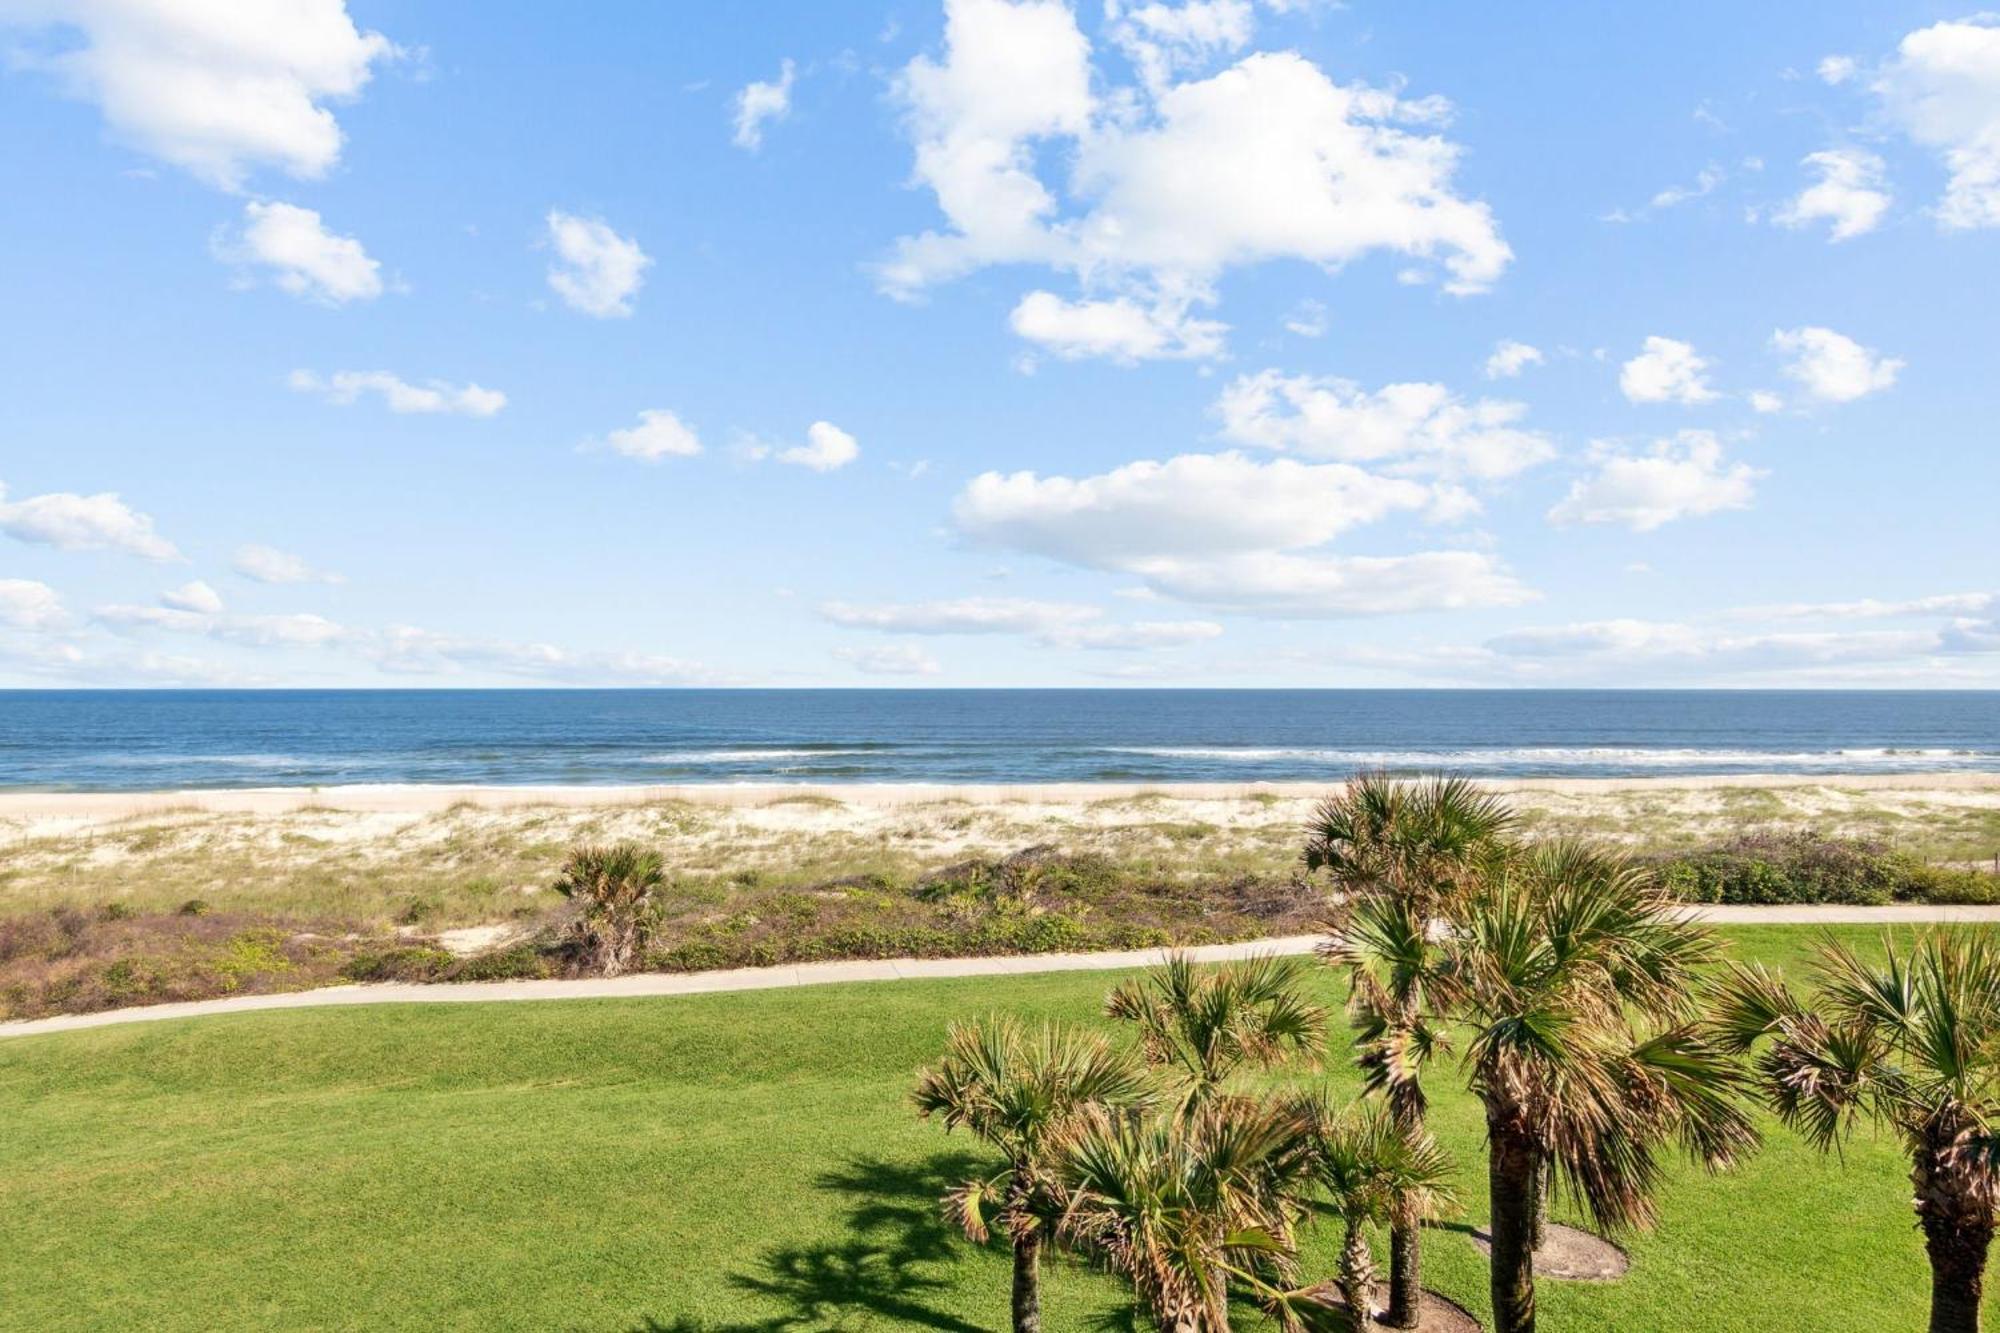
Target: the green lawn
pixel 705 1165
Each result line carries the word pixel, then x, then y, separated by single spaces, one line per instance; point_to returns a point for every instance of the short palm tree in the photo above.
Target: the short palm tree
pixel 1192 1205
pixel 1016 1090
pixel 1202 1025
pixel 1373 1170
pixel 611 892
pixel 1579 982
pixel 1400 852
pixel 1913 1043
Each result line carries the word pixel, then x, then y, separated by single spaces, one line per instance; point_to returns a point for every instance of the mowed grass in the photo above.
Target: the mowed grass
pixel 713 1165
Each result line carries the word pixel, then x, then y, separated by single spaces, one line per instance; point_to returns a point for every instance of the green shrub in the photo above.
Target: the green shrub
pixel 412 963
pixel 194 907
pixel 1808 867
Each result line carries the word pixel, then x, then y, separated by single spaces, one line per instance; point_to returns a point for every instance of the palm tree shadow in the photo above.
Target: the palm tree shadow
pixel 885 1268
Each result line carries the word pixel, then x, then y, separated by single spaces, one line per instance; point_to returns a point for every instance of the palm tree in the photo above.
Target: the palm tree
pixel 1373 1170
pixel 1191 1205
pixel 1016 1090
pixel 611 890
pixel 1203 1025
pixel 1914 1044
pixel 1399 852
pixel 1579 982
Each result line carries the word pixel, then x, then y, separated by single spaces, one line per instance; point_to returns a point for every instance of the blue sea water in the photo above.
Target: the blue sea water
pixel 148 740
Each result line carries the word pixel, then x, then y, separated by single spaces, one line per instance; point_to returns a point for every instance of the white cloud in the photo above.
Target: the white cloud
pixel 1510 358
pixel 1052 624
pixel 659 434
pixel 597 271
pixel 298 630
pixel 1308 319
pixel 1850 194
pixel 1119 329
pixel 1164 39
pixel 1764 401
pixel 827 447
pixel 1942 88
pixel 304 258
pixel 1666 371
pixel 1416 427
pixel 344 387
pixel 1683 476
pixel 1693 649
pixel 196 596
pixel 267 564
pixel 1227 531
pixel 26 604
pixel 215 89
pixel 1173 183
pixel 759 103
pixel 894 659
pixel 1836 70
pixel 1833 367
pixel 409 650
pixel 1705 182
pixel 1870 608
pixel 71 522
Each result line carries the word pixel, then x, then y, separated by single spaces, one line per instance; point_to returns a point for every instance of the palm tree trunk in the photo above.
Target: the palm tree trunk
pixel 1513 1166
pixel 1406 1255
pixel 1028 1283
pixel 1406 1270
pixel 1357 1275
pixel 1544 1182
pixel 1958 1273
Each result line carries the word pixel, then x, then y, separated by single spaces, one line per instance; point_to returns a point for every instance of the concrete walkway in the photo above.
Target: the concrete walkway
pixel 890 969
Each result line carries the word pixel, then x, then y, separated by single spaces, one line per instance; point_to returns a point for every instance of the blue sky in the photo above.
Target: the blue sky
pixel 998 342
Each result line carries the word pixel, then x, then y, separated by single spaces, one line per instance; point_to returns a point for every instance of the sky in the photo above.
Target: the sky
pixel 999 343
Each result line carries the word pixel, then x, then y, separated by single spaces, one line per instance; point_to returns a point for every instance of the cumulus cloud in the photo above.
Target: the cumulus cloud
pixel 827 447
pixel 1695 649
pixel 1119 329
pixel 345 387
pixel 26 604
pixel 71 522
pixel 1871 608
pixel 196 596
pixel 1833 367
pixel 215 90
pixel 1942 88
pixel 268 564
pixel 1172 183
pixel 1232 532
pixel 1308 319
pixel 1410 427
pixel 596 270
pixel 659 434
pixel 302 257
pixel 410 650
pixel 1849 194
pixel 761 103
pixel 298 630
pixel 893 659
pixel 1666 371
pixel 1510 358
pixel 1052 624
pixel 1684 476
pixel 1836 70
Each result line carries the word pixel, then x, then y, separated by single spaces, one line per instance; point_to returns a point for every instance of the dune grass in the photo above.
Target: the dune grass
pixel 717 1164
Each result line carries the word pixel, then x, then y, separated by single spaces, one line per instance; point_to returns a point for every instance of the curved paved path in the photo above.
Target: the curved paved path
pixel 890 969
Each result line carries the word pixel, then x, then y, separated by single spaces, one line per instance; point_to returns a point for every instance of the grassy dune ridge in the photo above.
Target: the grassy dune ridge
pixel 182 901
pixel 712 1165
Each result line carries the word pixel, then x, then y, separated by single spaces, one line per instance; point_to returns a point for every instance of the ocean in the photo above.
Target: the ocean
pixel 98 740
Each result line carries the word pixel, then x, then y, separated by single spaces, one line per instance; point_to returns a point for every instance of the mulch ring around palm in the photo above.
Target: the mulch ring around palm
pixel 1570 1255
pixel 1437 1315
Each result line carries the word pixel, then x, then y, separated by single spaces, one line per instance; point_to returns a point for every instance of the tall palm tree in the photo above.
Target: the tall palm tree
pixel 1399 852
pixel 1192 1205
pixel 1016 1090
pixel 1373 1169
pixel 1204 1024
pixel 611 892
pixel 1579 982
pixel 1913 1043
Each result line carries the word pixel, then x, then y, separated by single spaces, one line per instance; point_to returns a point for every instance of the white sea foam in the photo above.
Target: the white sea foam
pixel 1559 757
pixel 738 756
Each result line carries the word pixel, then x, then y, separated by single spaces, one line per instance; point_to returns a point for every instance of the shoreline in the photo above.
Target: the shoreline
pixel 426 798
